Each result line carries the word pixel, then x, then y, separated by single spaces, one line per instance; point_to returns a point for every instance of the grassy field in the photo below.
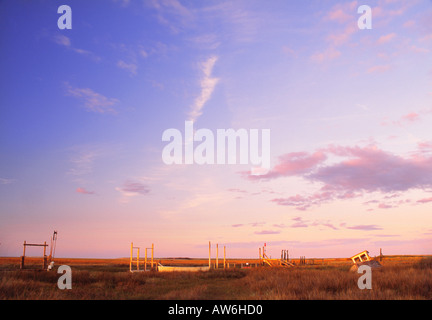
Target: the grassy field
pixel 401 277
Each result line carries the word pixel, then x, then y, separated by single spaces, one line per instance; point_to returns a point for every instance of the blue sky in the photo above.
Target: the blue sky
pixel 83 112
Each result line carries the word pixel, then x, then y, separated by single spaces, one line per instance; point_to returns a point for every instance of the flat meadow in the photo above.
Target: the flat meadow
pixel 401 277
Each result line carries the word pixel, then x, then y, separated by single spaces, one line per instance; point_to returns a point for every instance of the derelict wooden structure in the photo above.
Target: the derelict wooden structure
pixel 362 256
pixel 44 257
pixel 136 261
pixel 282 262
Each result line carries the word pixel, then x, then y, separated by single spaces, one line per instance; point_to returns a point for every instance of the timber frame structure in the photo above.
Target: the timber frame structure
pixel 282 262
pixel 362 256
pixel 44 257
pixel 136 261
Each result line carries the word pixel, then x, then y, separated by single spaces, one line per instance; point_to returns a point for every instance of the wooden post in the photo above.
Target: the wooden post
pixel 152 255
pixel 145 260
pixel 131 254
pixel 224 257
pixel 217 255
pixel 45 266
pixel 23 256
pixel 209 254
pixel 138 259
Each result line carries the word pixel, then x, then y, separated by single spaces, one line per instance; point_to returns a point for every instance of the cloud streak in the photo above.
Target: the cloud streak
pixel 84 191
pixel 93 101
pixel 207 84
pixel 131 189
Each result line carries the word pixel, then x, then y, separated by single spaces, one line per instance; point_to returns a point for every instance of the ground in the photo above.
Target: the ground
pixel 401 277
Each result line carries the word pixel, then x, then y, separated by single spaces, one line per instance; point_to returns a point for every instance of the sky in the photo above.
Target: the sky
pixel 83 111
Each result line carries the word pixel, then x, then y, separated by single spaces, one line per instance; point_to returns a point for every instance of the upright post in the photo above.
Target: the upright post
pixel 138 259
pixel 145 260
pixel 131 254
pixel 152 255
pixel 23 256
pixel 217 255
pixel 45 266
pixel 224 257
pixel 209 254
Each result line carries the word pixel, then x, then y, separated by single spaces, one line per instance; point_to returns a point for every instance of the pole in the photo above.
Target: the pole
pixel 209 254
pixel 145 260
pixel 152 254
pixel 131 254
pixel 217 255
pixel 138 259
pixel 224 257
pixel 44 257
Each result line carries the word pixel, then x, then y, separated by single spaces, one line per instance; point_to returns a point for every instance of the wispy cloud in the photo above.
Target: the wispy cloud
pixel 207 84
pixel 130 67
pixel 266 232
pixel 379 69
pixel 326 55
pixel 369 227
pixel 386 38
pixel 66 42
pixel 84 191
pixel 425 200
pixel 82 161
pixel 93 101
pixel 5 181
pixel 172 14
pixel 131 189
pixel 408 118
pixel 62 40
pixel 123 3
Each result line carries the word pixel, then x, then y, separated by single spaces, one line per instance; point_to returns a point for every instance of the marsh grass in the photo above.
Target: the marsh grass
pixel 407 279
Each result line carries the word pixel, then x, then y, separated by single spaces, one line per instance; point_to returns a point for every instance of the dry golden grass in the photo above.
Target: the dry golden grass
pixel 405 277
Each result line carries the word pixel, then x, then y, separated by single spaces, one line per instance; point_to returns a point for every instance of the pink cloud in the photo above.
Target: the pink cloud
pixel 370 169
pixel 326 55
pixel 384 206
pixel 425 146
pixel 264 232
pixel 387 38
pixel 411 117
pixel 292 164
pixel 362 170
pixel 408 118
pixel 379 69
pixel 135 187
pixel 424 200
pixel 341 12
pixel 342 37
pixel 84 191
pixel 131 189
pixel 338 15
pixel 370 227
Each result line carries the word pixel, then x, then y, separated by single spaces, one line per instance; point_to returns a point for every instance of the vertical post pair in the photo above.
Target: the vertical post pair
pixel 44 257
pixel 217 256
pixel 132 261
